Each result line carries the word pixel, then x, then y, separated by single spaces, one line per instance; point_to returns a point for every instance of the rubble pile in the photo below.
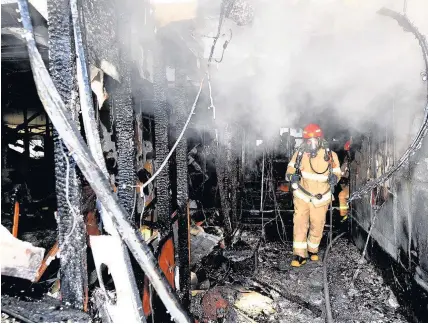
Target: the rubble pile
pixel 45 310
pixel 276 292
pixel 369 297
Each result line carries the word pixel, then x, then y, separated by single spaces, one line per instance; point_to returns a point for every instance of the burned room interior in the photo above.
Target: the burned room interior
pixel 155 153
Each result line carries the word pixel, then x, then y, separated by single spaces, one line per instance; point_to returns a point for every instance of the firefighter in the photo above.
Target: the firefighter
pixel 313 172
pixel 344 183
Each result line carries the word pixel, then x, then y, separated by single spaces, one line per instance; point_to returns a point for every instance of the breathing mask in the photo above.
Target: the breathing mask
pixel 312 146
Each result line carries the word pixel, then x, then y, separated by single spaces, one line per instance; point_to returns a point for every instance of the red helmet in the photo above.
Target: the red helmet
pixel 347 146
pixel 312 130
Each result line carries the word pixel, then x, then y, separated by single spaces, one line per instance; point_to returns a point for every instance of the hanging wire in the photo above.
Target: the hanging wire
pixel 134 203
pixel 144 206
pixel 176 143
pixel 67 198
pixel 211 97
pixel 223 12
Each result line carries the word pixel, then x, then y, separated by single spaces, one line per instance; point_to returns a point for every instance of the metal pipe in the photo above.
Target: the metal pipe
pixel 67 129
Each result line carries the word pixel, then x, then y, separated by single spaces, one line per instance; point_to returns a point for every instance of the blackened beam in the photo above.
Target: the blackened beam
pixel 71 227
pixel 73 140
pixel 163 204
pixel 124 113
pixel 182 186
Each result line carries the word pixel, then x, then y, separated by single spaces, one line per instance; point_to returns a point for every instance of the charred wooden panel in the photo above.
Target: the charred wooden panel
pixel 71 227
pixel 124 125
pixel 182 111
pixel 161 139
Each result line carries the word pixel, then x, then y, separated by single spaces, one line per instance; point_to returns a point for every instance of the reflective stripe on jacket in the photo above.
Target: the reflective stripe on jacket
pixel 314 174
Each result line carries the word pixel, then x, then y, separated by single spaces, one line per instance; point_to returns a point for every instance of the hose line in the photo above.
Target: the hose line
pixel 326 290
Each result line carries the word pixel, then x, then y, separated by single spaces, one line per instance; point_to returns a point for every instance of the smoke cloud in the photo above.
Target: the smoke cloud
pixel 338 63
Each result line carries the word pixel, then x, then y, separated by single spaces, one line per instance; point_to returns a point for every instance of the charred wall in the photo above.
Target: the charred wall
pixel 398 212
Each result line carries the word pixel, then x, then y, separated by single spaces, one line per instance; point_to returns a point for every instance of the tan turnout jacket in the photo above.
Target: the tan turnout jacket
pixel 312 181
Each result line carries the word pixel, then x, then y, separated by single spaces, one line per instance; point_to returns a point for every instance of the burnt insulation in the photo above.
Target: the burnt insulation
pixel 181 109
pixel 71 227
pixel 161 140
pixel 124 125
pixel 124 117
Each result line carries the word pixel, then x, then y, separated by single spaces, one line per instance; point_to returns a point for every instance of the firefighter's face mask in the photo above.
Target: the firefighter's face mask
pixel 312 146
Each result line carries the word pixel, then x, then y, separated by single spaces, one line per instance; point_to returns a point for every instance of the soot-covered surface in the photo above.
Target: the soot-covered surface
pixel 42 311
pixel 277 292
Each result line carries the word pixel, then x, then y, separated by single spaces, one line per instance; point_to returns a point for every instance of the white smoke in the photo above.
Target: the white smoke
pixel 334 62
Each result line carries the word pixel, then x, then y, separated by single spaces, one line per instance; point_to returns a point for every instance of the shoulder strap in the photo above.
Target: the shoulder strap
pixel 299 160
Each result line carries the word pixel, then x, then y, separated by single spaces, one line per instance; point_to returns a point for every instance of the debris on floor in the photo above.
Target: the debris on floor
pixel 276 292
pixel 254 304
pixel 46 310
pixel 202 244
pixel 18 258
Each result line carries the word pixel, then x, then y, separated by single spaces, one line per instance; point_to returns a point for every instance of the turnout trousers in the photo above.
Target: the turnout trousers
pixel 343 201
pixel 307 217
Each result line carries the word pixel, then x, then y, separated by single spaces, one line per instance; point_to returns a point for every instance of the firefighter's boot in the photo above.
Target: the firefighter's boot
pixel 313 256
pixel 298 261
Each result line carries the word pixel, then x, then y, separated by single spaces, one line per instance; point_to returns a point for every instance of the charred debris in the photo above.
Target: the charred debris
pixel 127 196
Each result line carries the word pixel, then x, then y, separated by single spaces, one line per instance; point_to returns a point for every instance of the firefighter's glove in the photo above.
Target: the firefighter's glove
pixel 294 178
pixel 332 180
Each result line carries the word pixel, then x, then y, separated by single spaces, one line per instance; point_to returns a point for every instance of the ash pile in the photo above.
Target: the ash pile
pixel 252 282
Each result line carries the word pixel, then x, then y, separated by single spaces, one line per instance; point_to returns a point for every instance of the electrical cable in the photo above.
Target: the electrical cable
pixel 176 142
pixel 226 43
pixel 223 13
pixel 142 211
pixel 211 97
pixel 67 198
pixel 134 204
